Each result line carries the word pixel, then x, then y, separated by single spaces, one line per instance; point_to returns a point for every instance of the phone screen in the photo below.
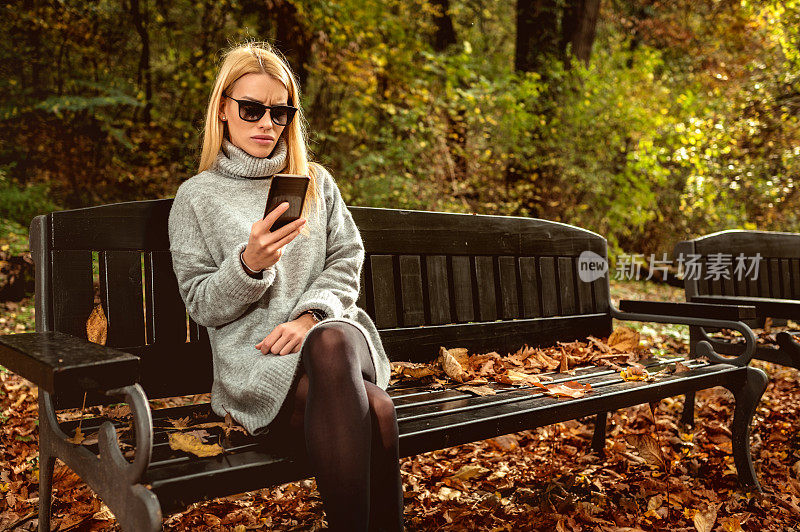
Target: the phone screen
pixel 290 188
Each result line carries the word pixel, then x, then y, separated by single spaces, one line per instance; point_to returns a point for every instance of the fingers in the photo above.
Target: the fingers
pixel 288 229
pixel 273 215
pixel 289 237
pixel 282 345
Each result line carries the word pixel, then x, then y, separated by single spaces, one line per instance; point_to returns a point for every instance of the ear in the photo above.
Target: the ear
pixel 221 111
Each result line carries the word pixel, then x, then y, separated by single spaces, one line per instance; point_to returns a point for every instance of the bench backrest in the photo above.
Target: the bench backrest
pixel 776 254
pixel 429 279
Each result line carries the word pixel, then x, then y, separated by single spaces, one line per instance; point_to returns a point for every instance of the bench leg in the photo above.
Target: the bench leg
pixel 46 465
pixel 747 397
pixel 687 417
pixel 599 438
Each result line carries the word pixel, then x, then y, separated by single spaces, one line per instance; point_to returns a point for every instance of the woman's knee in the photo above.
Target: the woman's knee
pixel 329 349
pixel 383 413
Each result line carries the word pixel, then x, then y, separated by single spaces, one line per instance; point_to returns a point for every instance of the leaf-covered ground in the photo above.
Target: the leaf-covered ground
pixel 654 475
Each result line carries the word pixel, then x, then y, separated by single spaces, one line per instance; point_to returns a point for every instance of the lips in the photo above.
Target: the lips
pixel 263 137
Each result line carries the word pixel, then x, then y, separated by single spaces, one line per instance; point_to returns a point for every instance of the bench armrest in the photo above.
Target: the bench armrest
pixel 765 306
pixel 689 310
pixel 56 361
pixel 703 348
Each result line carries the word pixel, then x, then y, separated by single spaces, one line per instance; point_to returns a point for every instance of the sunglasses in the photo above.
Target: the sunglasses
pixel 251 111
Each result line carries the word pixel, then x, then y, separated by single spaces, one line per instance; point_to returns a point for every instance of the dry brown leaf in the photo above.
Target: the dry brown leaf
pixel 77 439
pixel 190 444
pixel 680 367
pixel 571 389
pixel 704 521
pixel 180 423
pixel 97 326
pixel 731 524
pixel 634 373
pixel 104 514
pixel 451 366
pixel 624 339
pixel 516 377
pixel 648 448
pixel 469 471
pixel 412 370
pixel 478 390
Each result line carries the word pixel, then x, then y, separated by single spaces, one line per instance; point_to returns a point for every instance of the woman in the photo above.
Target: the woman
pixel 262 294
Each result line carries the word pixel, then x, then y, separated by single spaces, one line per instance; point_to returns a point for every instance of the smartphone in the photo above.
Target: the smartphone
pixel 287 187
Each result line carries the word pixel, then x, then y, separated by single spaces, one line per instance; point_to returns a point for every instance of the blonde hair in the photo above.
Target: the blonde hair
pixel 258 57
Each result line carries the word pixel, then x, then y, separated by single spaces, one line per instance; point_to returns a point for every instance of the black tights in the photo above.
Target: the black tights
pixel 350 429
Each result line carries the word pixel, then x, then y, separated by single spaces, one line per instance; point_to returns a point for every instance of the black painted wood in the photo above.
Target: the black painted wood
pixel 166 313
pixel 566 285
pixel 121 296
pixel 72 292
pixel 509 291
pixel 462 288
pixel 487 298
pixel 438 289
pixel 411 283
pixel 56 361
pixel 531 306
pixel 765 306
pixel 383 290
pixel 694 310
pixel 764 278
pixel 549 286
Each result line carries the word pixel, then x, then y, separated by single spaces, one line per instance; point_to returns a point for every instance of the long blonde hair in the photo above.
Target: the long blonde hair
pixel 258 57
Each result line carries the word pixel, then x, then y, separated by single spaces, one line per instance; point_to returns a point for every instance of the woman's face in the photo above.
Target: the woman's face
pixel 248 135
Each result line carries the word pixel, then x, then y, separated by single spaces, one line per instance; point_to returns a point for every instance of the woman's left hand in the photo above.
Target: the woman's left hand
pixel 287 337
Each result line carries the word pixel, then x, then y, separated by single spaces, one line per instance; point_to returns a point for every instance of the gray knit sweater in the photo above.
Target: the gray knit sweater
pixel 209 225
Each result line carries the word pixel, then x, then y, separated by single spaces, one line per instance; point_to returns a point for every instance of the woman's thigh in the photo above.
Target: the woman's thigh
pixel 293 410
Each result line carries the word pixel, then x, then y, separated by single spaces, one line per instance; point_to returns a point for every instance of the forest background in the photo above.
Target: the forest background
pixel 645 121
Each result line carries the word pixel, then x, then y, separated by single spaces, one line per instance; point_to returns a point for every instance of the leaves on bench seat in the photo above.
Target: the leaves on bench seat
pixel 190 443
pixel 523 367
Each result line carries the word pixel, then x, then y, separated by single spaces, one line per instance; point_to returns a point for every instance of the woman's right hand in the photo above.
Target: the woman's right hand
pixel 264 247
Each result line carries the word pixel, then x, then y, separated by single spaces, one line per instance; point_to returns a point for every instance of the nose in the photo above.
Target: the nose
pixel 266 120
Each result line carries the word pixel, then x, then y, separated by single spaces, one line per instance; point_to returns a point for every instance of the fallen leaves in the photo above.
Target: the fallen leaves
pixel 191 444
pixel 525 367
pixel 571 389
pixel 634 373
pixel 624 340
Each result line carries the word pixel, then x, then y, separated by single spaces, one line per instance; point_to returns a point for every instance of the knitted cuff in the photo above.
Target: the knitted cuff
pixel 236 282
pixel 323 300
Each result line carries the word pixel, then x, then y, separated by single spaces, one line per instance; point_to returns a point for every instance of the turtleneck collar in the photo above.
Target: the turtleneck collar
pixel 239 164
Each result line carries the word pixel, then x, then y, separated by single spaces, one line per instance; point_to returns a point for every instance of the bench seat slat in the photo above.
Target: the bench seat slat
pixel 457 428
pixel 465 402
pixel 176 483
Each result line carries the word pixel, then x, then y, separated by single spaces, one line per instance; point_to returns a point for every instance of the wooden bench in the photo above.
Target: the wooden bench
pixel 486 283
pixel 774 289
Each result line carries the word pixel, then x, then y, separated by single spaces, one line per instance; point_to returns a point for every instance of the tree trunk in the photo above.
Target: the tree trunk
pixel 144 76
pixel 445 33
pixel 579 28
pixel 537 33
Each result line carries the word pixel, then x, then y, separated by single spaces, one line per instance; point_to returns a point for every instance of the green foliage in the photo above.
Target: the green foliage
pixel 19 205
pixel 685 121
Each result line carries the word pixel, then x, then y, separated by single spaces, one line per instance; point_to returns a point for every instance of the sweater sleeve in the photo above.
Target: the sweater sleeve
pixel 337 287
pixel 214 294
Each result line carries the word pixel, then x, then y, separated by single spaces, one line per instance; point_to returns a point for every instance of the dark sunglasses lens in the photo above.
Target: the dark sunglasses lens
pixel 280 115
pixel 251 111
